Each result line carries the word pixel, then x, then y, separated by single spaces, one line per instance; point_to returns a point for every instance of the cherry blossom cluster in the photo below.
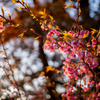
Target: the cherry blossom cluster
pixel 79 63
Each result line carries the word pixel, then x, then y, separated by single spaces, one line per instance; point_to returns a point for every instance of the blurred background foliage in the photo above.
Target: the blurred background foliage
pixel 28 57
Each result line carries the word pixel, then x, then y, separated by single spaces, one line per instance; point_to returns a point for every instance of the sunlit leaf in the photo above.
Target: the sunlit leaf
pixel 21 1
pixel 49 68
pixel 9 75
pixel 19 7
pixel 36 37
pixel 49 25
pixel 2 11
pixel 68 6
pixel 1 51
pixel 45 21
pixel 58 71
pixel 85 35
pixel 21 35
pixel 57 27
pixel 42 73
pixel 51 17
pixel 93 31
pixel 42 12
pixel 2 54
pixel 98 33
pixel 9 16
pixel 26 5
pixel 11 70
pixel 70 1
pixel 13 1
pixel 79 10
pixel 33 16
pixel 17 25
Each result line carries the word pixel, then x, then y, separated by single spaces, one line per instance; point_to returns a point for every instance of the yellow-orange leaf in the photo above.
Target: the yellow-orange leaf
pixel 21 1
pixel 85 35
pixel 49 25
pixel 21 35
pixel 13 1
pixel 2 54
pixel 70 1
pixel 11 70
pixel 41 12
pixel 93 31
pixel 45 21
pixel 9 75
pixel 17 25
pixel 26 5
pixel 36 37
pixel 2 11
pixel 42 73
pixel 9 16
pixel 99 32
pixel 19 7
pixel 51 17
pixel 1 51
pixel 58 71
pixel 49 68
pixel 68 6
pixel 79 10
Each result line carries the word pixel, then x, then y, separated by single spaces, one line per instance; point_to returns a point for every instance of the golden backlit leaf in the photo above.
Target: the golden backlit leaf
pixel 70 1
pixel 1 51
pixel 21 1
pixel 13 1
pixel 41 12
pixel 9 16
pixel 49 68
pixel 93 31
pixel 58 71
pixel 26 5
pixel 2 11
pixel 49 25
pixel 67 6
pixel 36 37
pixel 51 17
pixel 42 73
pixel 79 10
pixel 45 21
pixel 19 7
pixel 21 35
pixel 2 54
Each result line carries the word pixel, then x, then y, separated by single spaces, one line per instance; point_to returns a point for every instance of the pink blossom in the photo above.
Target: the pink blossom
pixel 82 32
pixel 74 43
pixel 87 32
pixel 99 94
pixel 67 50
pixel 71 32
pixel 1 27
pixel 88 44
pixel 94 41
pixel 72 56
pixel 43 27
